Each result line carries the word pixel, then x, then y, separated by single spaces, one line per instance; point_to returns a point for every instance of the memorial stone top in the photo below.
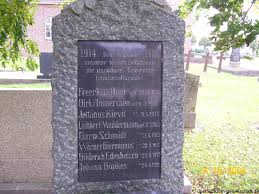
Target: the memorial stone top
pixel 118 84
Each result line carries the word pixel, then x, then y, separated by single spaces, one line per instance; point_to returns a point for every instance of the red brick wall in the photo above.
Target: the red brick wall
pixel 37 31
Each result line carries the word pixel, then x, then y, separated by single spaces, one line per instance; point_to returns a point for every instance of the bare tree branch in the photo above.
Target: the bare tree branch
pixel 245 14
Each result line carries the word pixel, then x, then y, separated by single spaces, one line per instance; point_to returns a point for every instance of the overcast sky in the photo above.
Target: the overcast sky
pixel 202 27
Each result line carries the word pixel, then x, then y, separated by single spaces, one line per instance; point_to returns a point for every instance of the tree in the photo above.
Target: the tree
pixel 232 28
pixel 15 17
pixel 205 42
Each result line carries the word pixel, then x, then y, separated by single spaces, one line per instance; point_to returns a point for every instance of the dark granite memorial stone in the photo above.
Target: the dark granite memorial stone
pixel 119 110
pixel 121 84
pixel 46 60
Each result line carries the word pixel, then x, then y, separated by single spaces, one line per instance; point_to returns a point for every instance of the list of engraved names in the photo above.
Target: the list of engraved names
pixel 119 110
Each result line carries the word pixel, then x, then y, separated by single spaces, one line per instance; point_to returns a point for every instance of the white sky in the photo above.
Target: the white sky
pixel 202 27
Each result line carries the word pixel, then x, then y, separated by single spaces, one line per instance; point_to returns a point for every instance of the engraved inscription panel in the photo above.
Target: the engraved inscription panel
pixel 119 110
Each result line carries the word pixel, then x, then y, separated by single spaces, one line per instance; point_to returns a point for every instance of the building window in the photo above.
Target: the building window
pixel 48 25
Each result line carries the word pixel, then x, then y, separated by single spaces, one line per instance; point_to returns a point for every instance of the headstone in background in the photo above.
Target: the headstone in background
pixel 235 58
pixel 112 62
pixel 190 100
pixel 46 60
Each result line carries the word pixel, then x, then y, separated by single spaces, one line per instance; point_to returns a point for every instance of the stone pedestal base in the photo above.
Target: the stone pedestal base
pixel 234 64
pixel 44 76
pixel 187 186
pixel 189 120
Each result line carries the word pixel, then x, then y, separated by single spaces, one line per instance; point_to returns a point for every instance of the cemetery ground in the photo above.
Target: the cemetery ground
pixel 223 151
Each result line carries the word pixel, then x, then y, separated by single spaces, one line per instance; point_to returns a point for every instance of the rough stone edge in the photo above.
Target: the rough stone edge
pixel 77 7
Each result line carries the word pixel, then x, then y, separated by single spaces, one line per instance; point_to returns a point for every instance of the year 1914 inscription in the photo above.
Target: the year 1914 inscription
pixel 119 110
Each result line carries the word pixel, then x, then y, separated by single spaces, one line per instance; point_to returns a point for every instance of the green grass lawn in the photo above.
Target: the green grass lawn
pixel 225 141
pixel 27 86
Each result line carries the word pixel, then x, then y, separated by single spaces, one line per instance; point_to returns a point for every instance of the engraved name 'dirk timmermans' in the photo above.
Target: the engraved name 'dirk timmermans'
pixel 119 110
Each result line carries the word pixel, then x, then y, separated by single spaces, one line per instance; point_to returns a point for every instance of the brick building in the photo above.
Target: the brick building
pixel 40 32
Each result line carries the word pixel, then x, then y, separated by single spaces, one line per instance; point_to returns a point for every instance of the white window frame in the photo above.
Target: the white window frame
pixel 48 23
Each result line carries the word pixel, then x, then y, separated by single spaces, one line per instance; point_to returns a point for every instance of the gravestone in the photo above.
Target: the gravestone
pixel 118 90
pixel 46 60
pixel 235 58
pixel 190 99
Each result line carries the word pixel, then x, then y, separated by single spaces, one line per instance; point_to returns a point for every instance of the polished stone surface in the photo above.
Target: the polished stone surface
pixel 119 110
